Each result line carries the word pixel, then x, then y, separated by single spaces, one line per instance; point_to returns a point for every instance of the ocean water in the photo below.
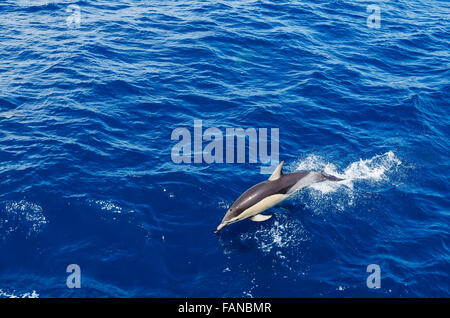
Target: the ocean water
pixel 90 92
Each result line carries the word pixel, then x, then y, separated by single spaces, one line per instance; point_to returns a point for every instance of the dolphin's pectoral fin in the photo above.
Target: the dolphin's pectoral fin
pixel 260 217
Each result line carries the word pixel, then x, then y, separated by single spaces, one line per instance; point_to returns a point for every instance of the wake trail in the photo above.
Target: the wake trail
pixel 375 169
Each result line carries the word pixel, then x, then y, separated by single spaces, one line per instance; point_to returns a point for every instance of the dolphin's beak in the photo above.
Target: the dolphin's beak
pixel 221 225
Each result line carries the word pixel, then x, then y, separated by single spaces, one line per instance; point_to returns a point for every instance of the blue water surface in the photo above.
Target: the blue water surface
pixel 91 90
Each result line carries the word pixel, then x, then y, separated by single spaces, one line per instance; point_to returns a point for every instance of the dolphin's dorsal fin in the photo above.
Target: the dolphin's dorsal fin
pixel 277 172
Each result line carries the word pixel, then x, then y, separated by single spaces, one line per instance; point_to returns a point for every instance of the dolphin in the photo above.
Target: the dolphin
pixel 265 195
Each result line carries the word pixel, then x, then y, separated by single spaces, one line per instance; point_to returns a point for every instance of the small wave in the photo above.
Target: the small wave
pixel 39 3
pixel 7 114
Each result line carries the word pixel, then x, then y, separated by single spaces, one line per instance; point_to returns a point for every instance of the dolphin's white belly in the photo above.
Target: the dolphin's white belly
pixel 261 206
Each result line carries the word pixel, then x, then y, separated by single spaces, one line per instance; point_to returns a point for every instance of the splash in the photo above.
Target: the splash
pixel 338 196
pixel 283 241
pixel 375 169
pixel 282 234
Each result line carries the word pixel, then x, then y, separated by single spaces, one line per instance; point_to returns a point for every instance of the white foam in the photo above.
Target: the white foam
pixel 38 3
pixel 285 235
pixel 32 294
pixel 23 216
pixel 374 169
pixel 108 206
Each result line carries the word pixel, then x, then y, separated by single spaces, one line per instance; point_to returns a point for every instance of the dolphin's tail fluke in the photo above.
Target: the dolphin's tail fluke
pixel 329 177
